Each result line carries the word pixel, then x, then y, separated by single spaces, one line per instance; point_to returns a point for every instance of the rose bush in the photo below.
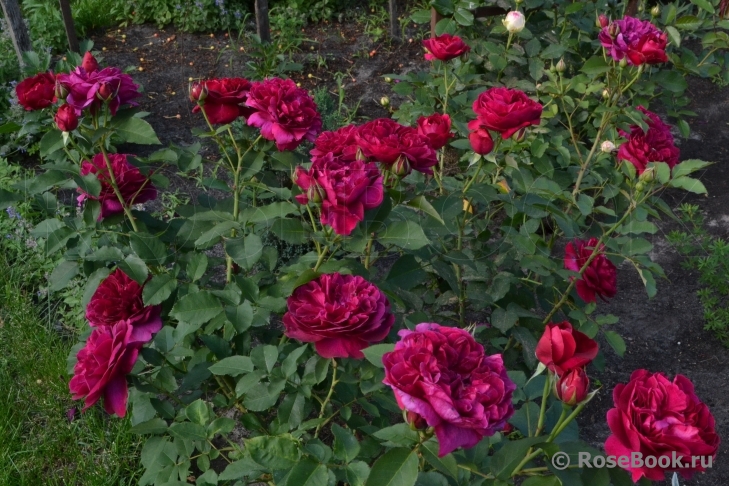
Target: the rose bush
pixel 278 326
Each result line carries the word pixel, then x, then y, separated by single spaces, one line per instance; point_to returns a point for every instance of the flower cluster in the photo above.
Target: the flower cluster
pixel 638 41
pixel 599 278
pixel 441 376
pixel 655 145
pixel 122 325
pixel 340 314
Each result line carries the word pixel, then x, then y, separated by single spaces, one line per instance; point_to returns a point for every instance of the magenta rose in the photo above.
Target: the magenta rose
pixel 436 128
pixel 66 118
pixel 340 314
pixel 345 190
pixel 506 111
pixel 386 141
pixel 657 145
pixel 134 187
pixel 444 376
pixel 283 112
pixel 224 99
pixel 664 419
pixel 637 40
pixel 600 278
pixel 37 92
pixel 563 348
pixel 341 143
pixel 102 366
pixel 92 89
pixel 119 298
pixel 445 47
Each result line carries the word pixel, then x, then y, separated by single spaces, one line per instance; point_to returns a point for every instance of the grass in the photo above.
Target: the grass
pixel 38 443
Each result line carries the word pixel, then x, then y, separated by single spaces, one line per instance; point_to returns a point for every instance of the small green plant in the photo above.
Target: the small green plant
pixel 267 61
pixel 710 256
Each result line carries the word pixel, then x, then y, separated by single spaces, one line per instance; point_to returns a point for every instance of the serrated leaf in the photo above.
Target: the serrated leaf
pixel 616 342
pixel 188 431
pixel 232 366
pixel 149 248
pixel 688 184
pixel 135 268
pixel 308 473
pixel 63 274
pixel 136 130
pixel 214 234
pixel 446 464
pixel 196 309
pixel 274 452
pixel 196 266
pixel 158 289
pixel 408 235
pixel 674 35
pixel 374 353
pixel 398 467
pixel 346 447
pixel 197 412
pixel 245 251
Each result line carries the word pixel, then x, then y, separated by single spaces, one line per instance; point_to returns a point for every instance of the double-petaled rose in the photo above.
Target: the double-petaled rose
pixel 37 92
pixel 442 375
pixel 102 366
pixel 340 314
pixel 224 99
pixel 133 186
pixel 344 189
pixel 119 298
pixel 436 128
pixel 341 143
pixel 92 89
pixel 637 40
pixel 283 112
pixel 655 145
pixel 505 110
pixel 386 141
pixel 657 417
pixel 562 348
pixel 600 278
pixel 445 47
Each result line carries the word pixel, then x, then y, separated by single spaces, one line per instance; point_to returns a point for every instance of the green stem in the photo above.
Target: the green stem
pixel 563 423
pixel 368 251
pixel 328 397
pixel 478 473
pixel 115 186
pixel 543 408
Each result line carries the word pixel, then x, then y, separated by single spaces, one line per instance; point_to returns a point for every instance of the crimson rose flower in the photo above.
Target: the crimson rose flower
pixel 385 140
pixel 506 110
pixel 341 143
pixel 445 47
pixel 102 366
pixel 436 128
pixel 572 387
pixel 664 419
pixel 600 278
pixel 345 190
pixel 66 118
pixel 480 138
pixel 89 63
pixel 119 298
pixel 340 314
pixel 134 187
pixel 638 40
pixel 37 92
pixel 283 112
pixel 656 145
pixel 224 99
pixel 91 89
pixel 562 348
pixel 443 375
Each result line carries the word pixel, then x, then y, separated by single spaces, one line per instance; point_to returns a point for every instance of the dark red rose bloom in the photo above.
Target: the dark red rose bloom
pixel 436 128
pixel 385 140
pixel 656 145
pixel 562 348
pixel 345 190
pixel 341 143
pixel 283 112
pixel 340 314
pixel 600 278
pixel 664 419
pixel 66 118
pixel 37 92
pixel 135 188
pixel 506 110
pixel 443 375
pixel 89 63
pixel 92 89
pixel 102 366
pixel 572 386
pixel 119 298
pixel 445 47
pixel 224 99
pixel 480 138
pixel 638 40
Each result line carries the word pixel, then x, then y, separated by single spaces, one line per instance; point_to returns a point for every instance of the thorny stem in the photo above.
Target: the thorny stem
pixel 118 193
pixel 328 397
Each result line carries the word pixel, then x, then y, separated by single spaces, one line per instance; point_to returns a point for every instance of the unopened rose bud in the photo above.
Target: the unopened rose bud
pixel 315 193
pixel 416 421
pixel 198 92
pixel 89 63
pixel 401 167
pixel 519 135
pixel 656 11
pixel 640 186
pixel 360 155
pixel 66 118
pixel 388 79
pixel 606 94
pixel 105 93
pixel 603 21
pixel 648 175
pixel 503 186
pixel 607 146
pixel 613 30
pixel 514 22
pixel 538 86
pixel 552 68
pixel 385 101
pixel 623 63
pixel 561 66
pixel 572 387
pixel 61 91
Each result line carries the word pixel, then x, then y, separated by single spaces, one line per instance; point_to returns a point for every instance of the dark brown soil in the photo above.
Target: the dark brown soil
pixel 663 334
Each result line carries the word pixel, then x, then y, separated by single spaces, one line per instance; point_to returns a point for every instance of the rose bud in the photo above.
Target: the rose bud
pixel 572 387
pixel 648 175
pixel 607 146
pixel 623 63
pixel 613 30
pixel 66 118
pixel 514 22
pixel 61 91
pixel 481 141
pixel 401 167
pixel 519 136
pixel 602 21
pixel 105 93
pixel 561 66
pixel 315 193
pixel 385 101
pixel 416 421
pixel 198 92
pixel 656 11
pixel 89 63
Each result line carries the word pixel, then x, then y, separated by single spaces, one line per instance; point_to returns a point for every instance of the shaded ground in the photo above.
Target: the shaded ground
pixel 665 333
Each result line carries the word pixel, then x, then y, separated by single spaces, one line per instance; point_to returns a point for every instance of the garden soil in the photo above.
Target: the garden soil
pixel 662 334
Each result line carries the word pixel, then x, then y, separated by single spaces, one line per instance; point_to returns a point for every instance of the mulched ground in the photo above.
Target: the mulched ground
pixel 665 333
